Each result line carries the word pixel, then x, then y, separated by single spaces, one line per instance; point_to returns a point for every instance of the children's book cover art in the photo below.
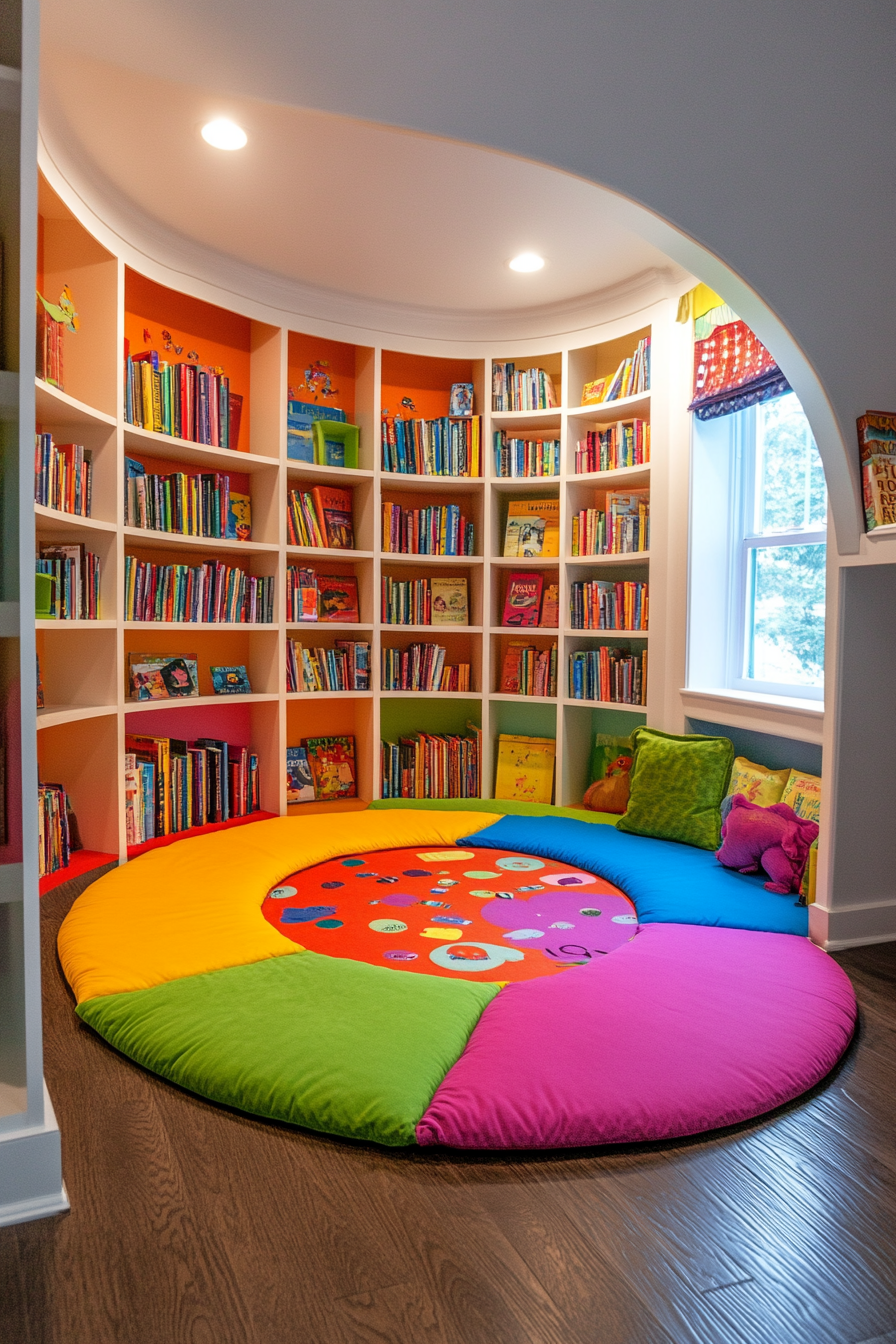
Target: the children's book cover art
pixel 239 518
pixel 337 596
pixel 523 599
pixel 299 781
pixel 230 681
pixel 533 528
pixel 525 768
pixel 163 676
pixel 461 400
pixel 449 601
pixel 332 761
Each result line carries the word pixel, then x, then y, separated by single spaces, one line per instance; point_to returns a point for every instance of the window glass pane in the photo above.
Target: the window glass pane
pixel 790 489
pixel 785 614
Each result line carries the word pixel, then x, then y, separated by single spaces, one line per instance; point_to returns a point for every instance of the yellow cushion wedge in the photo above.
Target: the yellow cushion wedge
pixel 194 906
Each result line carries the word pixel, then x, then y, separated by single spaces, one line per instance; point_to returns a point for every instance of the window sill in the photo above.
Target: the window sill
pixel 777 715
pixel 790 703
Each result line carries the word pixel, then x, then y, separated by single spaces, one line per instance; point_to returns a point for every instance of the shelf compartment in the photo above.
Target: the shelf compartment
pixel 54 407
pixel 407 568
pixel 95 435
pixel 77 671
pixel 339 568
pixel 551 362
pixel 601 360
pixel 519 715
pixel 58 529
pixel 216 647
pixel 147 442
pixel 83 756
pixel 582 719
pixel 328 714
pixel 350 369
pixel 459 644
pixel 161 841
pixel 427 380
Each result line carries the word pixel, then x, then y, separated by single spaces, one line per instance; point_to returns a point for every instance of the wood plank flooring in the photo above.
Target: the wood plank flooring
pixel 194 1225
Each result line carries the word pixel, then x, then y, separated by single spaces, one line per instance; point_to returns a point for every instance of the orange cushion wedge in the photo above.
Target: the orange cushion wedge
pixel 195 906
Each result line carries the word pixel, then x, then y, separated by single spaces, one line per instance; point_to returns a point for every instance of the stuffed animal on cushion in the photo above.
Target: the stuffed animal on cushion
pixel 773 838
pixel 610 794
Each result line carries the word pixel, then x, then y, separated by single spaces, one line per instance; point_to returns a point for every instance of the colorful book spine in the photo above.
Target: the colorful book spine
pixel 515 458
pixel 63 476
pixel 173 786
pixel 623 528
pixel 435 530
pixel 346 667
pixel 54 836
pixel 405 601
pixel 610 675
pixel 301 595
pixel 626 444
pixel 210 592
pixel 448 446
pixel 76 591
pixel 50 347
pixel 183 400
pixel 600 605
pixel 303 527
pixel 432 765
pixel 193 504
pixel 529 670
pixel 421 667
pixel 521 389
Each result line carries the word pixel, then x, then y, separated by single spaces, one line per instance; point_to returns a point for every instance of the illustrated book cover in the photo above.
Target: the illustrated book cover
pixel 525 768
pixel 877 454
pixel 522 601
pixel 299 782
pixel 333 507
pixel 230 681
pixel 461 399
pixel 533 528
pixel 332 762
pixel 239 518
pixel 337 598
pixel 163 676
pixel 449 601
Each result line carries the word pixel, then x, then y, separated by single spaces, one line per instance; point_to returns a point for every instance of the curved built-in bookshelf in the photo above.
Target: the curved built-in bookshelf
pixel 84 663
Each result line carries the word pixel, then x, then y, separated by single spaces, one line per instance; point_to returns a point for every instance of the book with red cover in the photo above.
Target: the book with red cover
pixel 522 600
pixel 236 415
pixel 510 672
pixel 334 513
pixel 338 598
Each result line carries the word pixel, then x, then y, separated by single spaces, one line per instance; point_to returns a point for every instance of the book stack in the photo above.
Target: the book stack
pixel 626 444
pixel 50 337
pixel 172 785
pixel 432 765
pixel 631 378
pixel 195 504
pixel 76 590
pixel 614 676
pixel 622 529
pixel 320 517
pixel 525 769
pixel 445 447
pixel 321 769
pixel 436 530
pixel 421 667
pixel 210 592
pixel 533 528
pixel 321 597
pixel 528 670
pixel 529 601
pixel 526 457
pixel 301 417
pixel 423 601
pixel 186 401
pixel 523 390
pixel 596 605
pixel 53 832
pixel 62 475
pixel 346 667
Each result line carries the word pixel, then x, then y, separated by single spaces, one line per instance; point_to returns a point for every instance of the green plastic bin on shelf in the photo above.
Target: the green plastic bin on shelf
pixel 335 444
pixel 44 596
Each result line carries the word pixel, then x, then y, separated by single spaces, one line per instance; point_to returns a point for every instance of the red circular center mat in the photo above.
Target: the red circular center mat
pixel 483 914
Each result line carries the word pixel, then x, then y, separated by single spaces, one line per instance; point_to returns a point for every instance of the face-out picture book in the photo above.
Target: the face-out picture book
pixel 332 762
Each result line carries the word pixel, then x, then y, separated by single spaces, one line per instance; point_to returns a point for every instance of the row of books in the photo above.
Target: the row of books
pixel 76 581
pixel 623 528
pixel 186 401
pixel 532 528
pixel 63 475
pixel 50 347
pixel 421 667
pixel 321 769
pixel 172 785
pixel 321 597
pixel 432 765
pixel 439 529
pixel 54 832
pixel 210 592
pixel 346 667
pixel 625 444
pixel 598 605
pixel 197 504
pixel 443 447
pixel 528 670
pixel 526 457
pixel 521 390
pixel 327 446
pixel 631 377
pixel 175 676
pixel 529 601
pixel 423 601
pixel 320 517
pixel 613 675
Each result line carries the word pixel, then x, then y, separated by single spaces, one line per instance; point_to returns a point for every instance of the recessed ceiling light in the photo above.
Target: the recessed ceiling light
pixel 526 261
pixel 224 134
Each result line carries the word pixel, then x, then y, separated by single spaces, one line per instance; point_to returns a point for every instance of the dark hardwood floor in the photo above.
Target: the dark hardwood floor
pixel 193 1225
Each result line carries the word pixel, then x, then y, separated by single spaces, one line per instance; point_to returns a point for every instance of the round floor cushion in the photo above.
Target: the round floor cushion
pixel 183 961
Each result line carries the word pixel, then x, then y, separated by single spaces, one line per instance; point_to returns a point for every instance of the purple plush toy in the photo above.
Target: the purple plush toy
pixel 774 838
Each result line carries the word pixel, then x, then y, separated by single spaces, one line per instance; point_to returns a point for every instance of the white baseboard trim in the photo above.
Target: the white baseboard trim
pixel 31 1183
pixel 27 1210
pixel 853 926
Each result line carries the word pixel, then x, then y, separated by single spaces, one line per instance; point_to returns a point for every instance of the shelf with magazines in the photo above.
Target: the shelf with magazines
pixel 400 567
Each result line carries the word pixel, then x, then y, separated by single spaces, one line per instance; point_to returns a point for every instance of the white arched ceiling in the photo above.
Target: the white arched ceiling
pixel 751 143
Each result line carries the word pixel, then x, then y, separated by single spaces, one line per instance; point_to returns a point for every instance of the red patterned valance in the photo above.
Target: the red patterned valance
pixel 732 370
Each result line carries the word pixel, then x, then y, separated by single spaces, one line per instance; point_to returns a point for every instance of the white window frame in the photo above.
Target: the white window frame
pixel 745 544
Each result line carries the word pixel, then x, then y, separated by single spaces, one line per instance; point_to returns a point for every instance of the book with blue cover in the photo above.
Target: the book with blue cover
pixel 300 419
pixel 230 681
pixel 299 782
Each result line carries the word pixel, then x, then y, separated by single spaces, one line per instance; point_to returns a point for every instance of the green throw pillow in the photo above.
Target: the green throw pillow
pixel 677 786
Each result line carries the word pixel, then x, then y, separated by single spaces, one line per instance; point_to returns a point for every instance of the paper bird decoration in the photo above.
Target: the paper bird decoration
pixel 64 310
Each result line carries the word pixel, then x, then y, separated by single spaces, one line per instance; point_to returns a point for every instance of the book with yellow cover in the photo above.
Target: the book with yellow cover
pixel 533 528
pixel 525 768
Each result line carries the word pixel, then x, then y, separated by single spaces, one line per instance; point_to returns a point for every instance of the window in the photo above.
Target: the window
pixel 760 470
